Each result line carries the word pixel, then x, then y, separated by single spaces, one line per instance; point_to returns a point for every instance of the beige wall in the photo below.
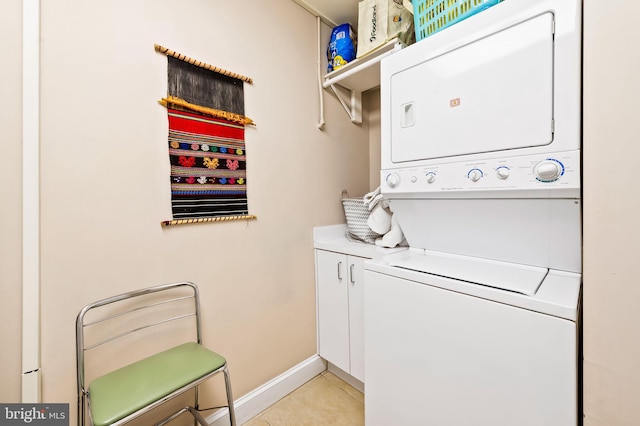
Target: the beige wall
pixel 611 212
pixel 10 194
pixel 105 169
pixel 372 101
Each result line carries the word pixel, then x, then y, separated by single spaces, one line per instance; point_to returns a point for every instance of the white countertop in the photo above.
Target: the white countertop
pixel 332 238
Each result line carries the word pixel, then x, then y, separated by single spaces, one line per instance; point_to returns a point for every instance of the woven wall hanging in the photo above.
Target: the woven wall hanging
pixel 205 109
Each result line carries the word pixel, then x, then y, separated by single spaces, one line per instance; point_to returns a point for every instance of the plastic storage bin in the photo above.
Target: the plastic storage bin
pixel 431 16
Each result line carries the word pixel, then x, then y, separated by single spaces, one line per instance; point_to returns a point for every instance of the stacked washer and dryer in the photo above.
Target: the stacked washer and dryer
pixel 478 322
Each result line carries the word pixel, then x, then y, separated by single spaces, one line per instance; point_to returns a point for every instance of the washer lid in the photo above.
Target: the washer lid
pixel 523 279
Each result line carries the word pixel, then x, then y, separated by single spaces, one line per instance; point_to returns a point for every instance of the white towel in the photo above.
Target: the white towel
pixel 371 195
pixel 374 201
pixel 394 237
pixel 372 198
pixel 379 219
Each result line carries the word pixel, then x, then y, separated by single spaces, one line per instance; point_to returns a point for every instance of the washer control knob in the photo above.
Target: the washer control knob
pixel 548 170
pixel 414 179
pixel 475 174
pixel 431 177
pixel 502 172
pixel 393 180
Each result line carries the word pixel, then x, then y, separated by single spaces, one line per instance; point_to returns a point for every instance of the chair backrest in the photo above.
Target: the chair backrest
pixel 168 307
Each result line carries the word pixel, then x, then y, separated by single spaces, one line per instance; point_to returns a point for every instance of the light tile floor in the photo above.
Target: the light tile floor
pixel 325 400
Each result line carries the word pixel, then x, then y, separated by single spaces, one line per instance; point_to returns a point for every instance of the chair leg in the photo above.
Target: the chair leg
pixel 227 384
pixel 196 414
pixel 81 407
pixel 198 419
pixel 196 405
pixel 172 417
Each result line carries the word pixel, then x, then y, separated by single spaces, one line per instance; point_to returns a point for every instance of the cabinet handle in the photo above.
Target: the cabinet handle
pixel 340 271
pixel 351 274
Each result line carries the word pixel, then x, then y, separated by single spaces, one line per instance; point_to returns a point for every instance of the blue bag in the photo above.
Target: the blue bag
pixel 342 47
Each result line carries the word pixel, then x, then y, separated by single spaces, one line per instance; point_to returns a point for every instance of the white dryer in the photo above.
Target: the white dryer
pixel 478 323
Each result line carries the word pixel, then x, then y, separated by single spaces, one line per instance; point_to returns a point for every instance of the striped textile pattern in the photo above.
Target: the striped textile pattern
pixel 208 166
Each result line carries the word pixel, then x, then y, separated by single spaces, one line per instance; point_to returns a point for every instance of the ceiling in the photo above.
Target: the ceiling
pixel 333 12
pixel 336 12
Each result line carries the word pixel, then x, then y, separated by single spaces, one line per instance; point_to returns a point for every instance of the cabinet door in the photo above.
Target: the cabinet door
pixel 356 316
pixel 333 308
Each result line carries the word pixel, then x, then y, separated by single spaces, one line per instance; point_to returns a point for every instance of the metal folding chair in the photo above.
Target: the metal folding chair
pixel 150 380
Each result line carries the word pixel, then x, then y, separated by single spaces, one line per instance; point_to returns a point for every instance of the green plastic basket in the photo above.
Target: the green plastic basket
pixel 431 16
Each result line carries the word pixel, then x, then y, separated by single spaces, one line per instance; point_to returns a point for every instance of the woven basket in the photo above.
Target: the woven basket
pixel 357 214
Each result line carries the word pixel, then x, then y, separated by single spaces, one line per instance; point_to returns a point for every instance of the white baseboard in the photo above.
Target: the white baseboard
pixel 258 400
pixel 346 377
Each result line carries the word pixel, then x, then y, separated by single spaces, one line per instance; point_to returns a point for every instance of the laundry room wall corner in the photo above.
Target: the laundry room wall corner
pixel 10 193
pixel 610 213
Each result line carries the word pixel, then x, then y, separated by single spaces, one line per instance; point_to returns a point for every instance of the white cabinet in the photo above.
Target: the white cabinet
pixel 340 297
pixel 340 292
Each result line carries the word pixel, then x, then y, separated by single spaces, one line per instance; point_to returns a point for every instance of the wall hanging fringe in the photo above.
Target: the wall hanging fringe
pixel 201 64
pixel 206 219
pixel 173 102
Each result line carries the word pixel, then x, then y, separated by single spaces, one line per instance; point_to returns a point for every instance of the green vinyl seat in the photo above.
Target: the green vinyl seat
pixel 122 392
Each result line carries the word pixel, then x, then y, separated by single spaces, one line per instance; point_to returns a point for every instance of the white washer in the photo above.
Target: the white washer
pixel 478 322
pixel 443 351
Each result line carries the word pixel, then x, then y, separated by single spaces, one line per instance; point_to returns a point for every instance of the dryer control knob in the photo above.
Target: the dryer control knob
pixel 502 172
pixel 475 174
pixel 393 180
pixel 548 170
pixel 431 177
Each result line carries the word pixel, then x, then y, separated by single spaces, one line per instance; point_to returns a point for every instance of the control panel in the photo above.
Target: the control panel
pixel 556 174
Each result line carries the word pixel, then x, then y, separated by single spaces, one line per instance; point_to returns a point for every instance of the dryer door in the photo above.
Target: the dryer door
pixel 495 93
